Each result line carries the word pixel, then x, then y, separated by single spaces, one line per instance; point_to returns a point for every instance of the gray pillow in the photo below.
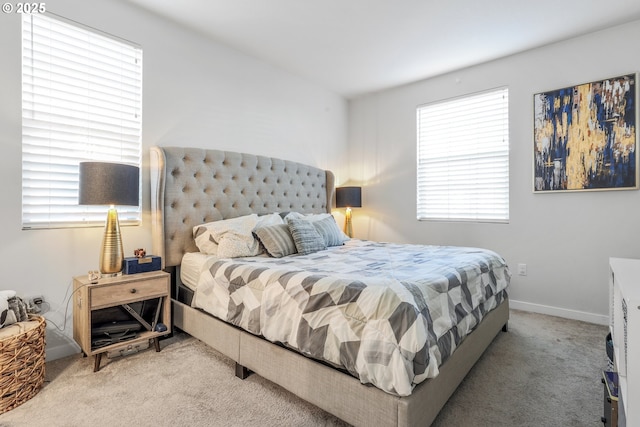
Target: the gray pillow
pixel 305 236
pixel 276 239
pixel 330 231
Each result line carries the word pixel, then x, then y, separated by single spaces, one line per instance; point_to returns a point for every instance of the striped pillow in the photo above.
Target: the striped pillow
pixel 276 239
pixel 305 236
pixel 330 232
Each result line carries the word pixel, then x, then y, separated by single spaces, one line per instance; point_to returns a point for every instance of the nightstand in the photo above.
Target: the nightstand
pixel 143 298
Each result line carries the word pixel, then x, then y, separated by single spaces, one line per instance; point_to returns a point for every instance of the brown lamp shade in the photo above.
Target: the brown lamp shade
pixel 104 183
pixel 348 197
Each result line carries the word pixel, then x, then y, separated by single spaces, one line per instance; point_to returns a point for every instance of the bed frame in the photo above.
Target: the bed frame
pixel 191 186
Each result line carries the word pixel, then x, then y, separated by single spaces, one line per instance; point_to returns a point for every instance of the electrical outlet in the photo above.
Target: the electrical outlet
pixel 36 304
pixel 37 300
pixel 522 269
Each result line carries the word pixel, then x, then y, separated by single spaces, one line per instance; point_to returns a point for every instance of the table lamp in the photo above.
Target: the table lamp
pixel 103 183
pixel 348 197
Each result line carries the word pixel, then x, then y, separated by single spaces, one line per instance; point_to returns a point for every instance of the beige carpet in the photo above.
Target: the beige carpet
pixel 544 372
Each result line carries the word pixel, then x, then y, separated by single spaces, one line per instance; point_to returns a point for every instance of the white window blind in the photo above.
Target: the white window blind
pixel 463 158
pixel 81 100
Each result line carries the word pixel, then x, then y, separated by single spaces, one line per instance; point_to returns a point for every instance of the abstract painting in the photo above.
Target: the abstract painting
pixel 585 137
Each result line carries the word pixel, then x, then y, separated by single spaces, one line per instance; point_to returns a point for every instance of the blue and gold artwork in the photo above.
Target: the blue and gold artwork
pixel 585 137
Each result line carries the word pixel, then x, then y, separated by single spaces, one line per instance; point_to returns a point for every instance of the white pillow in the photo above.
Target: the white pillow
pixel 228 238
pixel 204 239
pixel 308 217
pixel 7 317
pixel 270 219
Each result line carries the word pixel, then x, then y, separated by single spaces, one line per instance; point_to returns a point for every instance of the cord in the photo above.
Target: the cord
pixel 66 310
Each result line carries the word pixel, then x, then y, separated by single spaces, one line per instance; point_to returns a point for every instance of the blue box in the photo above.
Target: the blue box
pixel 133 265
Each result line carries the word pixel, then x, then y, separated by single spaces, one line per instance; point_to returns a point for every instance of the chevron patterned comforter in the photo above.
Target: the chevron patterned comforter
pixel 389 314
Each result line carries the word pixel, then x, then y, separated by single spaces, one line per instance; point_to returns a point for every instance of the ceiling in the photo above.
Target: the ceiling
pixel 354 47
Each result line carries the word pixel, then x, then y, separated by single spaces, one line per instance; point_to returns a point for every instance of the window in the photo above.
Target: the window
pixel 463 158
pixel 81 100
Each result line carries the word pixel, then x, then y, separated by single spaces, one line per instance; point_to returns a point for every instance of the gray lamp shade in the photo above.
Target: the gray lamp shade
pixel 103 183
pixel 348 197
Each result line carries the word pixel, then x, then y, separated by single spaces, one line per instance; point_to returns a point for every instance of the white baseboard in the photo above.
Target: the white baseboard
pixel 60 351
pixel 598 319
pixel 59 345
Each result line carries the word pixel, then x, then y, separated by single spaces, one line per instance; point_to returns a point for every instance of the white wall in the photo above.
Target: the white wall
pixel 564 238
pixel 196 93
pixel 199 93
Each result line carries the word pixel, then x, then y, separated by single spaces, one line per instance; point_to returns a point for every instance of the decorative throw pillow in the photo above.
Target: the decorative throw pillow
pixel 308 217
pixel 330 231
pixel 228 238
pixel 305 236
pixel 204 240
pixel 276 239
pixel 12 309
pixel 6 318
pixel 233 245
pixel 269 219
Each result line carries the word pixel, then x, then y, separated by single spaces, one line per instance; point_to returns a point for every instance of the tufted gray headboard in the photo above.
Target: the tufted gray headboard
pixel 192 186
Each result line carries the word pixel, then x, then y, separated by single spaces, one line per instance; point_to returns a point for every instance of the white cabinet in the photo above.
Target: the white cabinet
pixel 624 322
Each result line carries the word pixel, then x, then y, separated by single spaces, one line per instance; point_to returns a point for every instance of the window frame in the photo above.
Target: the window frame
pixel 81 101
pixel 450 185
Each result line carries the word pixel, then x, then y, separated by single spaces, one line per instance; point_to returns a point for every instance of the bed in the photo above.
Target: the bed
pixel 192 187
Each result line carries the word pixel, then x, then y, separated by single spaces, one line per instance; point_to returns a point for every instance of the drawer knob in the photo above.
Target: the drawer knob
pixel 133 290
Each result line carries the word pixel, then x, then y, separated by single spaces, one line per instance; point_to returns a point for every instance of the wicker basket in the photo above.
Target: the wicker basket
pixel 22 364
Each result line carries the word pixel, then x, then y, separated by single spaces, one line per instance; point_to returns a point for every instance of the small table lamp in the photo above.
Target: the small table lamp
pixel 110 184
pixel 348 197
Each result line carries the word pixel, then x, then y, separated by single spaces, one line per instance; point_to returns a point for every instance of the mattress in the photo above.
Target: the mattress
pixel 192 266
pixel 388 314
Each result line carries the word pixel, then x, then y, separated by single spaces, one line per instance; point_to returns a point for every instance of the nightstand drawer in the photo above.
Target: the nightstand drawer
pixel 123 293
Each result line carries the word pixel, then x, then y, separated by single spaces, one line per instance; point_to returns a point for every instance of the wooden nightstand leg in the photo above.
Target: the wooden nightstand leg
pixel 156 342
pixel 96 364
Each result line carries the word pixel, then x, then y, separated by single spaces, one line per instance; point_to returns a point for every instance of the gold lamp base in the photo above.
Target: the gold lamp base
pixel 111 253
pixel 348 227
